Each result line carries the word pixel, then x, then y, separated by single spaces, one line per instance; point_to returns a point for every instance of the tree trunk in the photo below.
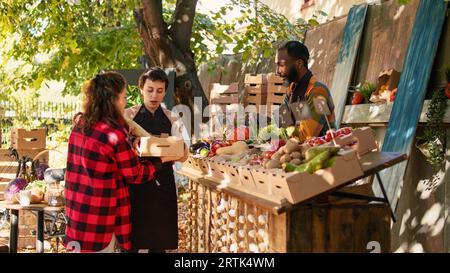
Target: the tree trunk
pixel 170 48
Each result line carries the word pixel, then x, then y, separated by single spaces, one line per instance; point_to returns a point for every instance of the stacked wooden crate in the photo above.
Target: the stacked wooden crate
pixel 224 99
pixel 255 90
pixel 276 91
pixel 264 90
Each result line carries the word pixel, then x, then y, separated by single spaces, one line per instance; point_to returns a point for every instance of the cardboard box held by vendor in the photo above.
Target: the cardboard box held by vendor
pixel 157 146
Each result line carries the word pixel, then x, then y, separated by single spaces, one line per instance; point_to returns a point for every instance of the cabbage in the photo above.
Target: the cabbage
pixel 14 187
pixel 39 184
pixel 272 132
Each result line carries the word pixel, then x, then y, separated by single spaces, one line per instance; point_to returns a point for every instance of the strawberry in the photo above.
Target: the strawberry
pixel 345 130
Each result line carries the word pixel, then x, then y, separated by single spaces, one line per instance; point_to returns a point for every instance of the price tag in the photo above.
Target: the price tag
pixel 285 116
pixel 300 110
pixel 321 106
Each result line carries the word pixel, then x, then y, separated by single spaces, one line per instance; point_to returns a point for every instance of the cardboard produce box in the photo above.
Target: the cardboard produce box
pixel 246 177
pixel 297 187
pixel 162 146
pixel 388 78
pixel 28 139
pixel 196 164
pixel 216 170
pixel 232 174
pixel 362 140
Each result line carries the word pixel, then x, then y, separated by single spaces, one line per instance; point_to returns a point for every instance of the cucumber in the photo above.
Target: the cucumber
pixel 311 153
pixel 288 167
pixel 305 167
pixel 318 161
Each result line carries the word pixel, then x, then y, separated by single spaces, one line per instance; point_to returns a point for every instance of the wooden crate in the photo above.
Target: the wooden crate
pixel 255 89
pixel 275 84
pixel 224 100
pixel 224 94
pixel 28 139
pixel 275 97
pixel 254 99
pixel 255 79
pixel 222 222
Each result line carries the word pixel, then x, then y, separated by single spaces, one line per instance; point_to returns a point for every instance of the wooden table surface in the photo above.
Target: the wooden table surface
pixel 36 207
pixel 371 163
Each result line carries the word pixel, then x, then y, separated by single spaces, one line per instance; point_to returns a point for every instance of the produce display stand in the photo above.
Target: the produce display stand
pixel 231 218
pixel 14 220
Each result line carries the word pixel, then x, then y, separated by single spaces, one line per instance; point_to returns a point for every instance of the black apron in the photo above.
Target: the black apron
pixel 154 208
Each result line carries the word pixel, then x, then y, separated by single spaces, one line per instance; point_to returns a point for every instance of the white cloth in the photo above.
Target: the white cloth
pixel 110 248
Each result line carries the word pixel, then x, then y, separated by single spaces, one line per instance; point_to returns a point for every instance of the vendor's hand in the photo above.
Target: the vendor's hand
pixel 186 154
pixel 165 159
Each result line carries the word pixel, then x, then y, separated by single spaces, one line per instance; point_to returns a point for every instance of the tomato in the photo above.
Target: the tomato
pixel 447 91
pixel 357 98
pixel 241 133
pixel 216 145
pixel 392 95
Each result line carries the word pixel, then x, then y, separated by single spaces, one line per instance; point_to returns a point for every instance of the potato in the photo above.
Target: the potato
pixel 273 164
pixel 303 148
pixel 291 147
pixel 296 155
pixel 285 158
pixel 276 156
pixel 264 163
pixel 296 161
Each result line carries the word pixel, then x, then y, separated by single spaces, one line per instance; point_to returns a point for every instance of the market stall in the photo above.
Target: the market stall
pixel 237 205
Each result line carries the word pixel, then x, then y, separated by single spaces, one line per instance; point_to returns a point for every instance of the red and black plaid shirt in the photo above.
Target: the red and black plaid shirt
pixel 99 166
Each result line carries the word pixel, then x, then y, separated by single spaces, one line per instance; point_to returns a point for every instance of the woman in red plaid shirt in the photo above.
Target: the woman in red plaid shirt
pixel 100 164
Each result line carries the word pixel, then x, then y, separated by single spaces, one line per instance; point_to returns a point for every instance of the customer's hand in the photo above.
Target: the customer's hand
pixel 136 143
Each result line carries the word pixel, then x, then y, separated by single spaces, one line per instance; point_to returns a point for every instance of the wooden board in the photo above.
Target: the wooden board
pixel 411 91
pixel 386 34
pixel 328 228
pixel 347 57
pixel 323 43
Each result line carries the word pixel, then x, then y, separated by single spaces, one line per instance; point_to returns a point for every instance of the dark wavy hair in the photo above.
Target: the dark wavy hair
pixel 153 74
pixel 100 94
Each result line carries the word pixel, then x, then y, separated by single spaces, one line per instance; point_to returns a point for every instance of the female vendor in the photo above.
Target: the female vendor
pixel 154 211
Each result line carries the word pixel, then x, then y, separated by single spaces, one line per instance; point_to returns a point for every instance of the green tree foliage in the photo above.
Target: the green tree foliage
pixel 79 38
